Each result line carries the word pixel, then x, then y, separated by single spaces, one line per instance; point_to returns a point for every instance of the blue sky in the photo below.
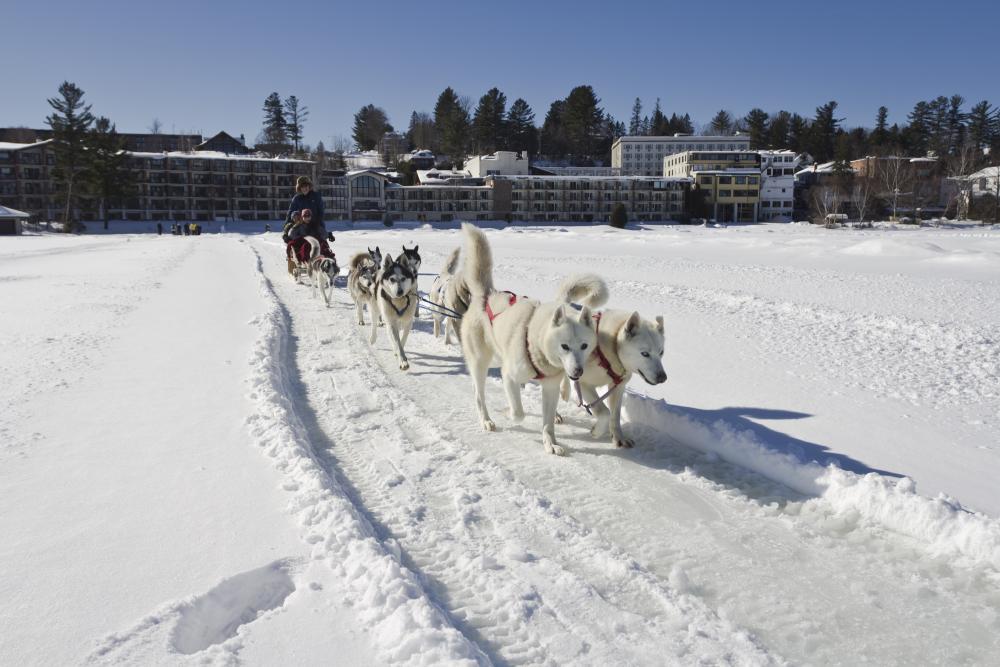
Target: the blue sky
pixel 207 66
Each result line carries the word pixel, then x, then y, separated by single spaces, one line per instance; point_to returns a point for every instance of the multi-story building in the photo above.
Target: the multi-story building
pixel 131 141
pixel 643 156
pixel 440 202
pixel 26 177
pixel 495 164
pixel 777 188
pixel 728 181
pixel 587 198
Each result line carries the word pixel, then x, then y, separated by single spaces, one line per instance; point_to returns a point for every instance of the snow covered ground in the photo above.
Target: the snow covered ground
pixel 200 462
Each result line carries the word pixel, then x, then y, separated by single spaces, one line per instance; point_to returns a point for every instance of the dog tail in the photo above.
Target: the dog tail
pixel 478 271
pixel 452 263
pixel 587 289
pixel 358 259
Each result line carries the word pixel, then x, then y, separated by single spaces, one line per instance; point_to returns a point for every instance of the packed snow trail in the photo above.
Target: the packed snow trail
pixel 543 558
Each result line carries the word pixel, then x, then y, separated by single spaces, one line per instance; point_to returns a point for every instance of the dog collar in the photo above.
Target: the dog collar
pixel 602 360
pixel 489 311
pixel 399 311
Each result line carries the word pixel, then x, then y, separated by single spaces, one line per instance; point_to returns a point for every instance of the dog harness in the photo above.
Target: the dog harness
pixel 539 375
pixel 604 363
pixel 399 311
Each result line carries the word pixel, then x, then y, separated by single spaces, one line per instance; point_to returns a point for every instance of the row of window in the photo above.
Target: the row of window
pixel 677 148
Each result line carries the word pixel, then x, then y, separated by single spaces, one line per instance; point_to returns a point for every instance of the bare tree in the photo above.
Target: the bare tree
pixel 864 193
pixel 896 177
pixel 824 201
pixel 156 127
pixel 960 166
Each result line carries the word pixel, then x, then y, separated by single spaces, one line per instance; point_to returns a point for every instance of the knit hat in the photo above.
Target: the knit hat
pixel 302 181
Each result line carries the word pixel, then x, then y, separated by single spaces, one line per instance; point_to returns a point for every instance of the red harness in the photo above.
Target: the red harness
pixel 510 302
pixel 602 360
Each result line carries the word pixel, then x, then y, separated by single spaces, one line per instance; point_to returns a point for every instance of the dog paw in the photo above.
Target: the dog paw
pixel 623 443
pixel 488 425
pixel 553 448
pixel 404 365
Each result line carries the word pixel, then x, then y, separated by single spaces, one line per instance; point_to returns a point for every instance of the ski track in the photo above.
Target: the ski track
pixel 663 551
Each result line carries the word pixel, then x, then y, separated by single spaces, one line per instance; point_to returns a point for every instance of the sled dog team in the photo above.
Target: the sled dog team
pixel 554 343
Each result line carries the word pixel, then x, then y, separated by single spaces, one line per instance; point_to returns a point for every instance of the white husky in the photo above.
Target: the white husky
pixel 322 271
pixel 531 340
pixel 626 344
pixel 450 292
pixel 396 296
pixel 361 285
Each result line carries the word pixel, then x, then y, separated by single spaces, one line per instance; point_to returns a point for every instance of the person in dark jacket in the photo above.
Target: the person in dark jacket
pixel 307 198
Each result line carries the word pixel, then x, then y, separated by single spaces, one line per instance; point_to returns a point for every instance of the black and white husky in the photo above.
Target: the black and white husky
pixel 361 285
pixel 322 271
pixel 376 256
pixel 396 299
pixel 411 257
pixel 449 291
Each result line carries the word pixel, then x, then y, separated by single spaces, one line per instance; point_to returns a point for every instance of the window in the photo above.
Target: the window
pixel 725 180
pixel 752 180
pixel 725 193
pixel 365 186
pixel 705 180
pixel 741 180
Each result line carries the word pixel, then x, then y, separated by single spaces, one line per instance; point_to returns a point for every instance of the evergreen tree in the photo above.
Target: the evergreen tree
pixel 488 123
pixel 108 178
pixel 917 135
pixel 275 124
pixel 956 129
pixel 583 121
pixel 880 135
pixel 521 132
pixel 634 124
pixel 659 125
pixel 823 132
pixel 722 123
pixel 370 125
pixel 645 127
pixel 685 126
pixel 420 134
pixel 756 122
pixel 798 131
pixel 451 120
pixel 984 121
pixel 619 216
pixel 780 126
pixel 296 114
pixel 553 141
pixel 70 123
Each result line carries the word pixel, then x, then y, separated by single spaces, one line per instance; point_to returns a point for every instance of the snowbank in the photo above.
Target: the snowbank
pixel 941 525
pixel 406 626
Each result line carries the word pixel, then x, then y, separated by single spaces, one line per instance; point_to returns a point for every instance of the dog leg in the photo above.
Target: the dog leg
pixel 437 327
pixel 513 389
pixel 615 399
pixel 397 345
pixel 598 408
pixel 479 365
pixel 359 308
pixel 373 312
pixel 550 399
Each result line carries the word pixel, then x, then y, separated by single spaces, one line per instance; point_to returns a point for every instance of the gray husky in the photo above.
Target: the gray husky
pixel 532 340
pixel 361 285
pixel 626 344
pixel 396 296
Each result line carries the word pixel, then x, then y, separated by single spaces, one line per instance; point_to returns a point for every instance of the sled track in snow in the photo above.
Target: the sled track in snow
pixel 542 560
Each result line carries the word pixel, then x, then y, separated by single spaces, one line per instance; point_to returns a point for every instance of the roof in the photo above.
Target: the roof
pixel 535 177
pixel 687 137
pixel 988 172
pixel 212 155
pixel 439 176
pixel 12 213
pixel 8 146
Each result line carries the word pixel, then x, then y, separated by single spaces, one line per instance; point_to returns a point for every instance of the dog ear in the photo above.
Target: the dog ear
pixel 386 261
pixel 558 316
pixel 416 248
pixel 585 317
pixel 632 325
pixel 659 323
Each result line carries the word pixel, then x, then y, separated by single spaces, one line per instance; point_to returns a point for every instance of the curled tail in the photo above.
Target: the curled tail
pixel 452 263
pixel 587 289
pixel 478 272
pixel 358 259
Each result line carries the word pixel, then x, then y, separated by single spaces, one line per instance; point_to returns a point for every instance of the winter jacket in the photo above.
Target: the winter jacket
pixel 298 231
pixel 314 202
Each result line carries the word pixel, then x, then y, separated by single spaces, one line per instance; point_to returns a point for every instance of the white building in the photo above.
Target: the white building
pixel 507 163
pixel 777 188
pixel 643 156
pixel 986 181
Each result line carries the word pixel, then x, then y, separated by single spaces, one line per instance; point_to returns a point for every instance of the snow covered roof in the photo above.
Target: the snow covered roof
pixel 6 212
pixel 825 168
pixel 988 172
pixel 10 146
pixel 538 177
pixel 439 176
pixel 212 155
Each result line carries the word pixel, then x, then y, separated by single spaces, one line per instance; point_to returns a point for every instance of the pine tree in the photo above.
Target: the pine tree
pixel 521 132
pixel 880 135
pixel 798 131
pixel 634 124
pixel 420 134
pixel 756 122
pixel 108 178
pixel 582 123
pixel 918 132
pixel 296 114
pixel 552 140
pixel 370 125
pixel 659 125
pixel 823 132
pixel 275 132
pixel 722 123
pixel 956 129
pixel 451 120
pixel 984 120
pixel 70 123
pixel 488 122
pixel 779 129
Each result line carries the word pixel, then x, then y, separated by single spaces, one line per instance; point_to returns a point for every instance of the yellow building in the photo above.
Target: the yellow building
pixel 729 181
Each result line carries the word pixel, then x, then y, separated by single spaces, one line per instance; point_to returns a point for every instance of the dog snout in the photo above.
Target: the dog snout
pixel 661 377
pixel 576 374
